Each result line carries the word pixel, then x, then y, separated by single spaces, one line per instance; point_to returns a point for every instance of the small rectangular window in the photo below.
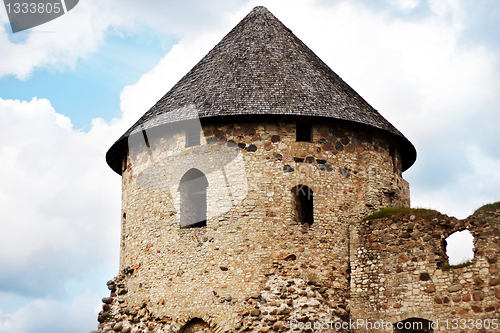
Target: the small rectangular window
pixel 303 132
pixel 192 136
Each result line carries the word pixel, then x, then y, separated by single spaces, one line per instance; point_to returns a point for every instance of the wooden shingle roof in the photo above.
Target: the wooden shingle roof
pixel 262 68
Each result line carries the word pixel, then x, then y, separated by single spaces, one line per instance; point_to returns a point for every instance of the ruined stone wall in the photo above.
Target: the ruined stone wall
pixel 253 266
pixel 399 270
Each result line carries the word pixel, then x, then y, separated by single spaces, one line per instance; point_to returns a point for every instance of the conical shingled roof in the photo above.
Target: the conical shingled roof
pixel 262 68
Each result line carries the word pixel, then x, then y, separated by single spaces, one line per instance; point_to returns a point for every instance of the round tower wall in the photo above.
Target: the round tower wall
pixel 254 238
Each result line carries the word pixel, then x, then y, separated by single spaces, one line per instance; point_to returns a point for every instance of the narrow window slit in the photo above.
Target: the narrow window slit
pixel 304 205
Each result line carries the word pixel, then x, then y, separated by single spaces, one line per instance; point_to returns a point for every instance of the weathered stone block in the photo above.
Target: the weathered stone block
pixel 478 296
pixel 425 276
pixel 255 312
pixel 402 258
pixel 455 288
pixel 495 282
pixel 476 309
pixel 430 289
pixel 107 300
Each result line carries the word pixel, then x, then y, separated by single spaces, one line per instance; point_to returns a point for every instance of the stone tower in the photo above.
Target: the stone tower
pixel 239 185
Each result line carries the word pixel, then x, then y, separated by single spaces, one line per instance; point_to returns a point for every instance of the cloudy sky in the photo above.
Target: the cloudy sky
pixel 71 87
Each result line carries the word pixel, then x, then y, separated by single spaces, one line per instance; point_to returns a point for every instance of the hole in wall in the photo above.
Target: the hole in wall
pixel 460 247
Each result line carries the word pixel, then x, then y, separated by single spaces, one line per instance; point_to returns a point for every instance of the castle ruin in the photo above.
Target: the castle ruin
pixel 243 194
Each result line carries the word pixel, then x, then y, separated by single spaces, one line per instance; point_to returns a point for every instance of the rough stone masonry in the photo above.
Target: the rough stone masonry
pixel 391 279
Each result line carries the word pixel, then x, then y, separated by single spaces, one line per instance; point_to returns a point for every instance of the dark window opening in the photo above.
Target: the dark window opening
pixel 413 325
pixel 146 140
pixel 304 207
pixel 303 132
pixel 193 192
pixel 192 135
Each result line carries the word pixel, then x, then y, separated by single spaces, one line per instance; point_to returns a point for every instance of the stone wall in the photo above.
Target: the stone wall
pixel 253 267
pixel 399 270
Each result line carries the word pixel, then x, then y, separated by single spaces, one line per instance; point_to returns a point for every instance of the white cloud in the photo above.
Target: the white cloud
pixel 60 203
pixel 60 43
pixel 56 44
pixel 138 98
pixel 50 316
pixel 405 4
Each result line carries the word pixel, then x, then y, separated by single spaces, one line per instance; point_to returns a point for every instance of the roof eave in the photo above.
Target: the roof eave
pixel 117 152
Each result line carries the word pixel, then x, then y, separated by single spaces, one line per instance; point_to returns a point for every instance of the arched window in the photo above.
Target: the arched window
pixel 303 204
pixel 193 192
pixel 196 325
pixel 413 325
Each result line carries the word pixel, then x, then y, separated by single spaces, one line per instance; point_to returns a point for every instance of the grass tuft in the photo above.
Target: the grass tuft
pixel 402 211
pixel 495 205
pixel 447 266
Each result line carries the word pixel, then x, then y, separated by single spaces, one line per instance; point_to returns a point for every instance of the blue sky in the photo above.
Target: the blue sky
pixel 91 87
pixel 71 87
